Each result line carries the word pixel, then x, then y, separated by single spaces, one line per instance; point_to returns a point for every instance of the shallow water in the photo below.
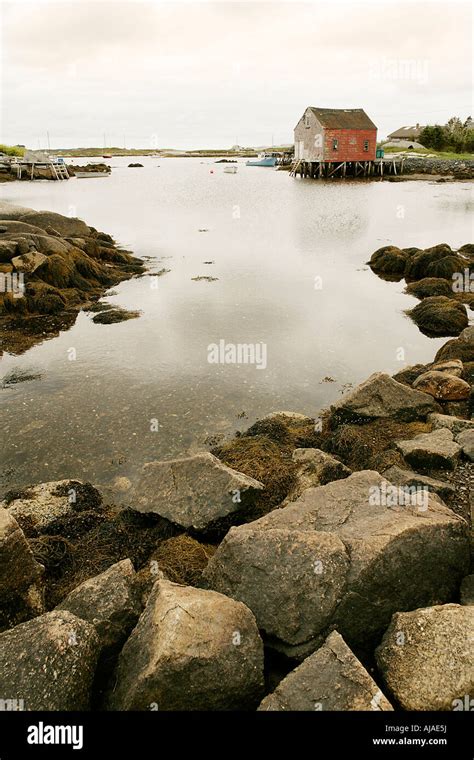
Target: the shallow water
pixel 271 238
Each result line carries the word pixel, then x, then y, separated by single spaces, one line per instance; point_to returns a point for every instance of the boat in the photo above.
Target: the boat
pixel 264 159
pixel 107 155
pixel 86 175
pixel 230 170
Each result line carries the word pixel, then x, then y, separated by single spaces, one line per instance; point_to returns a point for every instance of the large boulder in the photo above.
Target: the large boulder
pixel 191 650
pixel 430 286
pixel 315 468
pixel 460 348
pixel 194 492
pixel 29 262
pixel 425 657
pixel 431 451
pixel 330 679
pixel 466 591
pixel 389 260
pixel 341 556
pixel 109 602
pixel 380 396
pixel 455 424
pixel 443 386
pixel 465 440
pixel 65 225
pixel 49 662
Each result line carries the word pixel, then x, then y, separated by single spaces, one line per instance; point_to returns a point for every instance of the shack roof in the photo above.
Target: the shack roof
pixel 343 118
pixel 406 133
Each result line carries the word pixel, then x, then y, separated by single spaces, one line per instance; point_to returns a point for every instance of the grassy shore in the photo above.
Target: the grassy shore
pixel 433 153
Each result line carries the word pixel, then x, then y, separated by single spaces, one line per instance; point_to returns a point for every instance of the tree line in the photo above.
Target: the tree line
pixel 456 136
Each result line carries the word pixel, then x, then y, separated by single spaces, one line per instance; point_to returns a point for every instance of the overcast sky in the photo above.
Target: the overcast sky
pixel 207 74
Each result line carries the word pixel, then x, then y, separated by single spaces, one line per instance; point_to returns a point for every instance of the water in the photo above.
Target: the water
pixel 270 237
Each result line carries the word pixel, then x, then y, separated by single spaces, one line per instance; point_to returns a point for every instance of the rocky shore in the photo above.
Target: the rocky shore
pixel 51 267
pixel 306 564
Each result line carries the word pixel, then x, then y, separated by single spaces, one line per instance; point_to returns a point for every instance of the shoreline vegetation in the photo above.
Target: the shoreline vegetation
pixel 299 549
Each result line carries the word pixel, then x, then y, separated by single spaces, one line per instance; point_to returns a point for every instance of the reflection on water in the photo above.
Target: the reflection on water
pixel 289 257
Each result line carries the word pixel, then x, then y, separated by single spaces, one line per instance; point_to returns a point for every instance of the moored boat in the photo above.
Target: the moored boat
pixel 230 170
pixel 264 159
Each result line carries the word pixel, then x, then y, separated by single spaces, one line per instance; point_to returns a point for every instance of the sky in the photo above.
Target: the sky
pixel 187 74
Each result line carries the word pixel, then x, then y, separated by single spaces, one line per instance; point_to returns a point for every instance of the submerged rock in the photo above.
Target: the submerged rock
pixel 346 559
pixel 425 657
pixel 380 396
pixel 430 286
pixel 112 316
pixel 194 492
pixel 49 662
pixel 330 679
pixel 389 260
pixel 191 650
pixel 431 451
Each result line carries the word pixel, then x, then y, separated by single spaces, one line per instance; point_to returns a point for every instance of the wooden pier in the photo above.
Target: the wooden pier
pixel 342 169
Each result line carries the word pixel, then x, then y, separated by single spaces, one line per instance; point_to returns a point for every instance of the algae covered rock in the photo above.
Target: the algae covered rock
pixel 430 286
pixel 389 260
pixel 439 316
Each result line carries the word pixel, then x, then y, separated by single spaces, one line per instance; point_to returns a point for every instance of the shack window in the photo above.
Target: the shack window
pixel 306 121
pixel 366 145
pixel 335 144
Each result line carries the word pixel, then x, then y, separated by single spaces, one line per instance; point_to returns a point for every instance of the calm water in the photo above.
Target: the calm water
pixel 269 237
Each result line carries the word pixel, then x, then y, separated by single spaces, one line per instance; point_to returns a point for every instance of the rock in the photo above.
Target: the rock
pixel 39 506
pixel 454 367
pixel 461 348
pixel 112 316
pixel 389 260
pixel 382 397
pixel 363 554
pixel 330 679
pixel 408 375
pixel 431 451
pixel 65 225
pixel 443 386
pixel 430 286
pixel 49 662
pixel 439 316
pixel 316 468
pixel 193 492
pixel 289 417
pixel 466 442
pixel 436 262
pixel 135 166
pixel 467 590
pixel 18 568
pixel 399 477
pixel 8 249
pixel 455 424
pixel 28 262
pixel 108 602
pixel 191 650
pixel 467 335
pixel 425 657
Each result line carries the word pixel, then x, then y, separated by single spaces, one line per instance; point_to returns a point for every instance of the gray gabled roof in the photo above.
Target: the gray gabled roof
pixel 343 118
pixel 407 133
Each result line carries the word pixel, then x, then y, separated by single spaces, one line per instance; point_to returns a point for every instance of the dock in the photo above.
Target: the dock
pixel 342 169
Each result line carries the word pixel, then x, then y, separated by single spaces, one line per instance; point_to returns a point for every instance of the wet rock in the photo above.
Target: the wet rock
pixel 431 451
pixel 193 492
pixel 108 602
pixel 425 657
pixel 112 316
pixel 8 249
pixel 380 396
pixel 191 650
pixel 29 262
pixel 460 348
pixel 41 505
pixel 49 662
pixel 18 568
pixel 466 442
pixel 467 590
pixel 436 262
pixel 455 424
pixel 135 166
pixel 439 316
pixel 430 286
pixel 363 554
pixel 330 679
pixel 443 386
pixel 316 468
pixel 400 477
pixel 454 367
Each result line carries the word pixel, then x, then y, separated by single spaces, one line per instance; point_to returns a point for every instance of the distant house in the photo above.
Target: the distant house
pixel 335 134
pixel 406 133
